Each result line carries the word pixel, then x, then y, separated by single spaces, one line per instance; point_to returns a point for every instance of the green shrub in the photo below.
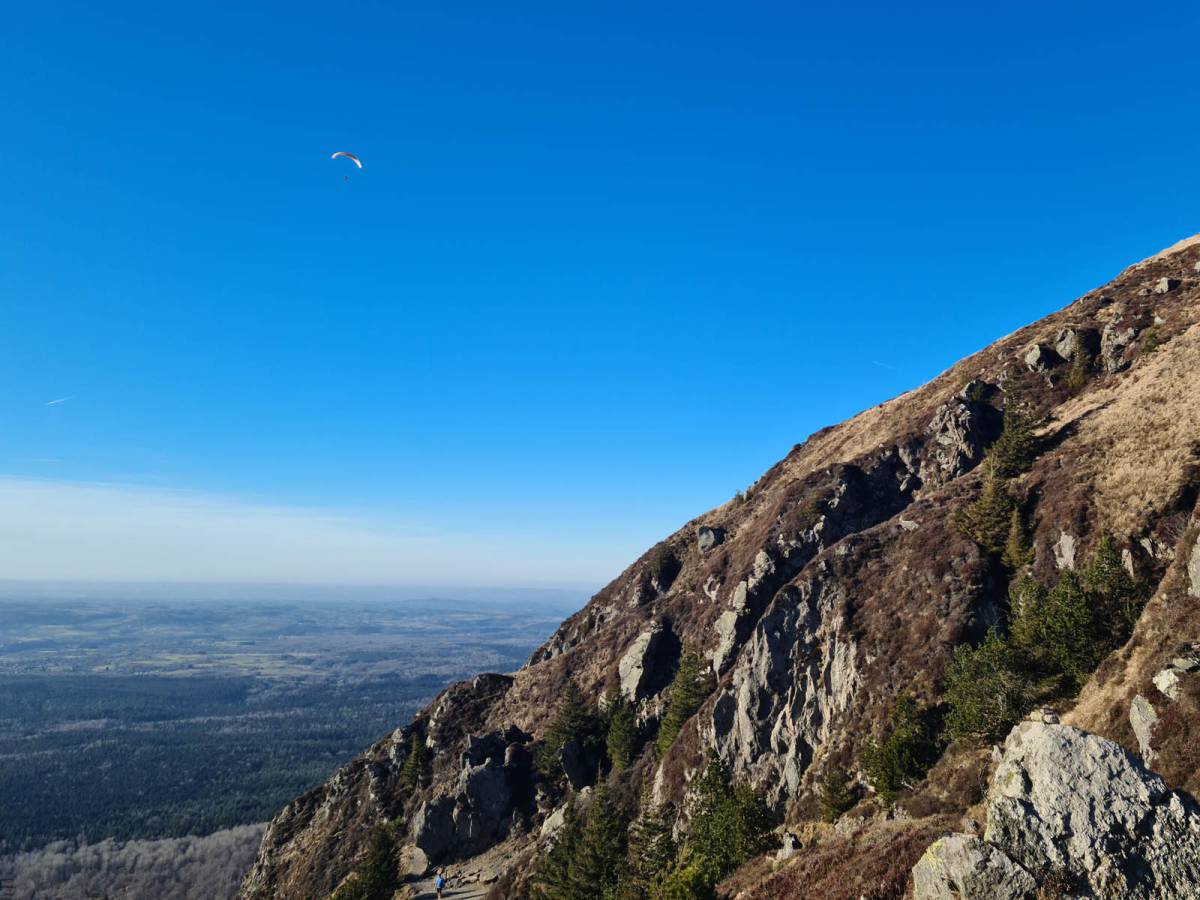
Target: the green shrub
pixel 986 688
pixel 1118 599
pixel 1151 341
pixel 687 691
pixel 904 756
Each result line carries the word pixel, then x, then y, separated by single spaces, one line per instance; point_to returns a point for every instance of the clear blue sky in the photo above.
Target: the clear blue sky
pixel 605 262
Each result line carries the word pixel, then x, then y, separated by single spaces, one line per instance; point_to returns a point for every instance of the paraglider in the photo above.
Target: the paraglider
pixel 350 156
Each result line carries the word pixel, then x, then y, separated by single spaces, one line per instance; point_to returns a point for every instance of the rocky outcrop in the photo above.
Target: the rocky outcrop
pixel 1077 806
pixel 959 432
pixel 645 667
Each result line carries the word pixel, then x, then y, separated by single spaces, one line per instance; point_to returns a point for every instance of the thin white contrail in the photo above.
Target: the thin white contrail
pixel 60 400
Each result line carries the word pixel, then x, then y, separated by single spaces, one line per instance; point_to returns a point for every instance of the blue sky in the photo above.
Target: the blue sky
pixel 604 265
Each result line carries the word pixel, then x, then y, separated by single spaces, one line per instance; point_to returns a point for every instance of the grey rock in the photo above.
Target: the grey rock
pixel 1165 285
pixel 1193 570
pixel 1040 359
pixel 963 867
pixel 1067 343
pixel 1142 719
pixel 707 538
pixel 1064 551
pixel 418 862
pixel 1065 799
pixel 637 668
pixel 1167 682
pixel 959 432
pixel 1113 341
pixel 789 847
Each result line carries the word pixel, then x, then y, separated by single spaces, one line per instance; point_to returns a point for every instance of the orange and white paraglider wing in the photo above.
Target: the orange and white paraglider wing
pixel 350 156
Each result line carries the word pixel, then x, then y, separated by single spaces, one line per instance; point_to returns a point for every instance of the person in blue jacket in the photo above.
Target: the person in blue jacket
pixel 439 884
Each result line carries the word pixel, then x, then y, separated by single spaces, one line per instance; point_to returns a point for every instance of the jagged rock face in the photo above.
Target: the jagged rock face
pixel 836 581
pixel 801 674
pixel 1066 801
pixel 959 433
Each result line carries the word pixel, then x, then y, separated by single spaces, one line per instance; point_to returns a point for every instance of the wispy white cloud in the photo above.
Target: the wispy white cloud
pixel 64 530
pixel 59 400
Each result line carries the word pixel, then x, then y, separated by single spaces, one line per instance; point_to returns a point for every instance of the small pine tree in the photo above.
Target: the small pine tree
pixel 651 853
pixel 622 734
pixel 836 795
pixel 552 879
pixel 1027 602
pixel 987 519
pixel 730 821
pixel 377 877
pixel 573 720
pixel 1116 595
pixel 1014 451
pixel 688 690
pixel 599 859
pixel 1068 629
pixel 986 688
pixel 904 756
pixel 412 773
pixel 1017 552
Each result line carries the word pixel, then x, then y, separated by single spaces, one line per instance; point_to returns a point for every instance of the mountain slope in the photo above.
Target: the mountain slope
pixel 837 582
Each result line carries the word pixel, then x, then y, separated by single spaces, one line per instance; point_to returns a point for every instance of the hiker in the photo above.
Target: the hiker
pixel 439 884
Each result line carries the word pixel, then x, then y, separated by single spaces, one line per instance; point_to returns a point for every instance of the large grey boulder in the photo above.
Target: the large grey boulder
pixel 1039 358
pixel 707 538
pixel 963 867
pixel 1063 800
pixel 642 666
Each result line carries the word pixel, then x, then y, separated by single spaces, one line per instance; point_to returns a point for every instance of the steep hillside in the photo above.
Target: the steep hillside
pixel 841 580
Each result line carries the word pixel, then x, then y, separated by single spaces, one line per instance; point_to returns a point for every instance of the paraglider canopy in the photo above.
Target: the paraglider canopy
pixel 350 156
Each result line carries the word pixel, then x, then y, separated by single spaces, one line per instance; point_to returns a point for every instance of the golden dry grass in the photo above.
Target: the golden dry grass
pixel 1137 436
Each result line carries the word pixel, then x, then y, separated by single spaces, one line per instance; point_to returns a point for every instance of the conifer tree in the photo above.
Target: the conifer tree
pixel 987 519
pixel 1068 629
pixel 1017 552
pixel 622 734
pixel 378 876
pixel 688 690
pixel 1014 451
pixel 904 756
pixel 412 773
pixel 986 688
pixel 836 794
pixel 552 880
pixel 573 720
pixel 599 858
pixel 1116 597
pixel 651 854
pixel 730 821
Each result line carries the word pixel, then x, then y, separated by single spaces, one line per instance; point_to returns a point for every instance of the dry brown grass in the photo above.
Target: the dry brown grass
pixel 1138 435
